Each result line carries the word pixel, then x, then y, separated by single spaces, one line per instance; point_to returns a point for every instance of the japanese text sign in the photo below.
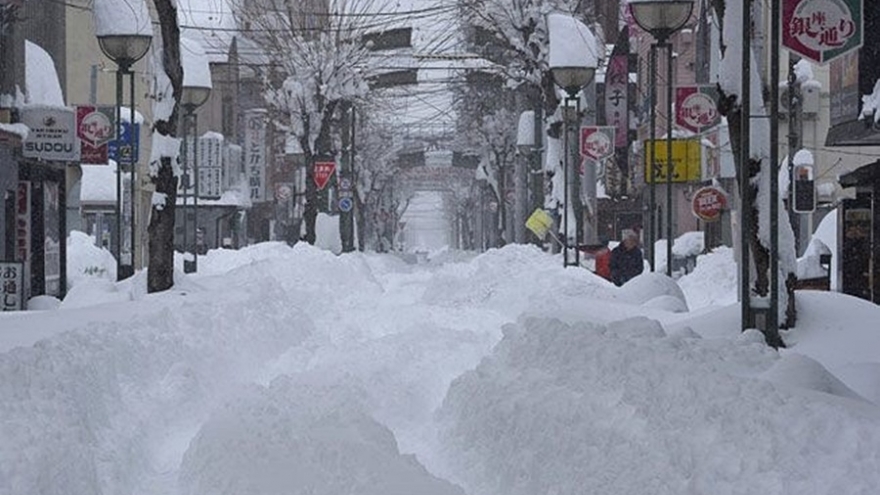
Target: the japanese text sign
pixel 95 128
pixel 822 30
pixel 686 161
pixel 11 286
pixel 597 142
pixel 323 171
pixel 696 107
pixel 255 153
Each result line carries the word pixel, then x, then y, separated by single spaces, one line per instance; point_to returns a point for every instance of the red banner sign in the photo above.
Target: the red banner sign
pixel 95 128
pixel 323 172
pixel 597 142
pixel 696 107
pixel 822 30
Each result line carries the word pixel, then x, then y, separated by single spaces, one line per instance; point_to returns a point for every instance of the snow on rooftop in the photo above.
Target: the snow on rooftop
pixel 41 79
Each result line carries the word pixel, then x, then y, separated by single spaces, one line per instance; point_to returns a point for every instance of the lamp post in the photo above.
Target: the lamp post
pixel 196 90
pixel 571 80
pixel 661 18
pixel 124 50
pixel 573 59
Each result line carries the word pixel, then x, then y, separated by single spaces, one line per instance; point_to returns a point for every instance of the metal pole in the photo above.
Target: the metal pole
pixel 650 173
pixel 745 183
pixel 566 193
pixel 773 317
pixel 669 164
pixel 195 168
pixel 537 165
pixel 133 165
pixel 184 190
pixel 120 267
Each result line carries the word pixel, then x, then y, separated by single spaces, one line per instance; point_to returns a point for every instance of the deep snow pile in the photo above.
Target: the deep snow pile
pixel 293 370
pixel 627 409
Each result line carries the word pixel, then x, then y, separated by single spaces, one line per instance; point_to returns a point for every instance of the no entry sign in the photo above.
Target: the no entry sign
pixel 822 30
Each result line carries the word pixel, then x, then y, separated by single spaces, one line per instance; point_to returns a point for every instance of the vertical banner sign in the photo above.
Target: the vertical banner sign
pixel 186 183
pixel 210 165
pixel 616 88
pixel 255 153
pixel 125 149
pixel 597 142
pixel 232 171
pixel 844 89
pixel 23 231
pixel 52 134
pixel 822 30
pixel 52 239
pixel 11 286
pixel 95 128
pixel 696 107
pixel 323 171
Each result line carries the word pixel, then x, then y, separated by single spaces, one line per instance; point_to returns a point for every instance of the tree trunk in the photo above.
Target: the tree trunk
pixel 160 272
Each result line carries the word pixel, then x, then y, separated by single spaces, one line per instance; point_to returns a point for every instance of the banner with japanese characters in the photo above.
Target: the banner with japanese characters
pixel 696 107
pixel 255 153
pixel 11 286
pixel 210 159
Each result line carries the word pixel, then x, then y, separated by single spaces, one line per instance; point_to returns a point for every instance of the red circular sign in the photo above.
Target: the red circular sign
pixel 708 203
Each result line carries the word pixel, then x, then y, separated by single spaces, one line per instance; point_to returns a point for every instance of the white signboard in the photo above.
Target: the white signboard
pixel 210 166
pixel 255 153
pixel 232 166
pixel 52 134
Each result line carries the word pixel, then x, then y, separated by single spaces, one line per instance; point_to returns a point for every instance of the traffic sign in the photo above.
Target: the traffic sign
pixel 323 171
pixel 822 30
pixel 346 204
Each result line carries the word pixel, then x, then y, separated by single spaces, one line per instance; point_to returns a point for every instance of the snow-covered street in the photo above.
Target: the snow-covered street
pixel 293 370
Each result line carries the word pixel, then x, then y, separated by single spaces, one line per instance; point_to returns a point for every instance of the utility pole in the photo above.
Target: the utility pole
pixel 346 179
pixel 794 141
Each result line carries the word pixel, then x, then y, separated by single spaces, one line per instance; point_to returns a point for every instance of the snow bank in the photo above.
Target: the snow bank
pixel 713 281
pixel 86 261
pixel 585 408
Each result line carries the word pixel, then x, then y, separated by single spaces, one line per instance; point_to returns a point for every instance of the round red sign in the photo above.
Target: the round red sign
pixel 708 203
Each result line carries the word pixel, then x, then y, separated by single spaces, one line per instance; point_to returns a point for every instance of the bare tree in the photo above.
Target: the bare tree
pixel 320 64
pixel 164 169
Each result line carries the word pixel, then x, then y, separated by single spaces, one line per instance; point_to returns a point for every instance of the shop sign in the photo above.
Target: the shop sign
pixel 210 166
pixel 708 203
pixel 822 30
pixel 686 161
pixel 255 153
pixel 51 135
pixel 696 107
pixel 11 286
pixel 597 142
pixel 95 128
pixel 125 149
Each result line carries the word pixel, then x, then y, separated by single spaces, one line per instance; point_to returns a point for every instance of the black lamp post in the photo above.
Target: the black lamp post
pixel 192 98
pixel 661 18
pixel 571 79
pixel 124 50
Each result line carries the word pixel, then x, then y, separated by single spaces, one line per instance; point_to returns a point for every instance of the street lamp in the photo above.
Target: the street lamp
pixel 573 62
pixel 196 91
pixel 124 50
pixel 661 18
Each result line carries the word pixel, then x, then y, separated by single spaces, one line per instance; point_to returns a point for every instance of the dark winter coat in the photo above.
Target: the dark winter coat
pixel 625 263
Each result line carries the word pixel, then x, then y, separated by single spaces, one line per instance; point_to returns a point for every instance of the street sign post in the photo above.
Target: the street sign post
pixel 822 30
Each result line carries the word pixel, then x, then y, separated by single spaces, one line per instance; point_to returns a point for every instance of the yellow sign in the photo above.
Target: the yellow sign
pixel 540 223
pixel 686 161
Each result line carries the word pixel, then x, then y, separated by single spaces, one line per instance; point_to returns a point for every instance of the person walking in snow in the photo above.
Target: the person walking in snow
pixel 626 258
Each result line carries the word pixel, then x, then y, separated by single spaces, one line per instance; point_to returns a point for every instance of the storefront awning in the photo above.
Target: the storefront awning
pixel 853 133
pixel 864 175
